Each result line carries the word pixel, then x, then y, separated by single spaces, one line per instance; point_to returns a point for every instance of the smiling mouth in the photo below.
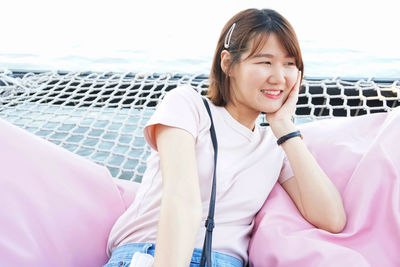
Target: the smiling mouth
pixel 274 94
pixel 271 92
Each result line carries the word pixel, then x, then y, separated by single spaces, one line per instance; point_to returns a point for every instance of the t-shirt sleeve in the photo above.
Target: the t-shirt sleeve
pixel 179 108
pixel 286 171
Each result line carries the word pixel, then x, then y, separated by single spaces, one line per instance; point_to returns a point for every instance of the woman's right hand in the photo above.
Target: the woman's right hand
pixel 280 121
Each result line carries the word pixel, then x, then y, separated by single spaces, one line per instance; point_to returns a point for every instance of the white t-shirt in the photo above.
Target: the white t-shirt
pixel 249 164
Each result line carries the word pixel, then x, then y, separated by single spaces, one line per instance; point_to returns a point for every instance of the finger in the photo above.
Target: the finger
pixel 298 81
pixel 293 97
pixel 294 94
pixel 296 87
pixel 291 100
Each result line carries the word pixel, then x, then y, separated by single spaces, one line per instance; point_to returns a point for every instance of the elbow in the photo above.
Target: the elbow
pixel 336 223
pixel 188 206
pixel 196 209
pixel 198 212
pixel 330 221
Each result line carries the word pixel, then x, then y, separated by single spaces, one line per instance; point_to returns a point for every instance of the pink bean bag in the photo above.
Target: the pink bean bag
pixel 362 157
pixel 57 208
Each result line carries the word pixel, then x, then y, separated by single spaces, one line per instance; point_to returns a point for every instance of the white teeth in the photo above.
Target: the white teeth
pixel 271 92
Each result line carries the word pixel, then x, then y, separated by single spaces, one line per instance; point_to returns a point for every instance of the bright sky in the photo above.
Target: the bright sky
pixel 177 28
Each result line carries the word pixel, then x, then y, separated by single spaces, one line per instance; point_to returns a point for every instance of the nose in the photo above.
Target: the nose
pixel 277 76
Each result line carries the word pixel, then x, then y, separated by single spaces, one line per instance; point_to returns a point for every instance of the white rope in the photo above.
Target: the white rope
pixel 101 115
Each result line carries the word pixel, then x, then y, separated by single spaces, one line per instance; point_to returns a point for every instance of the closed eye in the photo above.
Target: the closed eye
pixel 290 64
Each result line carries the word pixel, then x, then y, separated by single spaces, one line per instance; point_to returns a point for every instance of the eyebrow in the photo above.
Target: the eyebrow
pixel 267 55
pixel 264 55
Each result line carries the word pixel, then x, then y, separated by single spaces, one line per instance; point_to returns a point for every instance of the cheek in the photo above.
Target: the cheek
pixel 258 73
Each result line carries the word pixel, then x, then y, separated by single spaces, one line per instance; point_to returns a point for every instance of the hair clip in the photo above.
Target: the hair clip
pixel 228 36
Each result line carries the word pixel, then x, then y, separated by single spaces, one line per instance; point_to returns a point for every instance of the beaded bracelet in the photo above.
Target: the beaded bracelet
pixel 284 138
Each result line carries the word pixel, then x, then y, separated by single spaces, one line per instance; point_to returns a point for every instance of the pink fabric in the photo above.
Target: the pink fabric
pixel 362 157
pixel 57 208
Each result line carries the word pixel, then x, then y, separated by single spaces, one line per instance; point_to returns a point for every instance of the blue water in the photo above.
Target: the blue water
pixel 319 62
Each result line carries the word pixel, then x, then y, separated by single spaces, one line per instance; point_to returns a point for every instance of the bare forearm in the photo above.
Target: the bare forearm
pixel 177 230
pixel 321 202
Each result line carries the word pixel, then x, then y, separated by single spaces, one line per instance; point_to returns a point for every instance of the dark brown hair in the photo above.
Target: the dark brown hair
pixel 251 24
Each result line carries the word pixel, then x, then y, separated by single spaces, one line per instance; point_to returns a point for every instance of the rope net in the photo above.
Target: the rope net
pixel 101 116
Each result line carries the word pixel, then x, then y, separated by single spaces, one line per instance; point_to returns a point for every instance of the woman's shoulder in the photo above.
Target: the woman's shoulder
pixel 184 96
pixel 185 90
pixel 182 108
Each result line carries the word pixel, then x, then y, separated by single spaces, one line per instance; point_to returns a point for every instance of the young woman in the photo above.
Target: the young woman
pixel 257 67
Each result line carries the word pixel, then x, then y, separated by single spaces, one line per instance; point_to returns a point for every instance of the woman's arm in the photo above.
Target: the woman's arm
pixel 181 208
pixel 311 190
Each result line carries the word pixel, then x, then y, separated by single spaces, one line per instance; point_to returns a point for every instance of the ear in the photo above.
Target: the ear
pixel 225 61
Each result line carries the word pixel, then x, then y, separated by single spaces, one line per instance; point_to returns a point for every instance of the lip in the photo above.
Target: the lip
pixel 272 96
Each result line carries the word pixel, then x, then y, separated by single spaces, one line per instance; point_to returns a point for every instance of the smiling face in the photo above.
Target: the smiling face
pixel 261 82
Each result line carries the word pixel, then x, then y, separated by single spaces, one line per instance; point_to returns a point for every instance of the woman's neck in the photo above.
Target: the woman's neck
pixel 244 116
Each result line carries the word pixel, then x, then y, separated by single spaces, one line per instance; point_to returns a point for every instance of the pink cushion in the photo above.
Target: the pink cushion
pixel 362 157
pixel 57 208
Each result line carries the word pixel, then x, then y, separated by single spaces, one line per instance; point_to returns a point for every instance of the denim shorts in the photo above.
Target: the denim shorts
pixel 121 257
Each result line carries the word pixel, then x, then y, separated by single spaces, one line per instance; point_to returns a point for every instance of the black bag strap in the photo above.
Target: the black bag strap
pixel 206 253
